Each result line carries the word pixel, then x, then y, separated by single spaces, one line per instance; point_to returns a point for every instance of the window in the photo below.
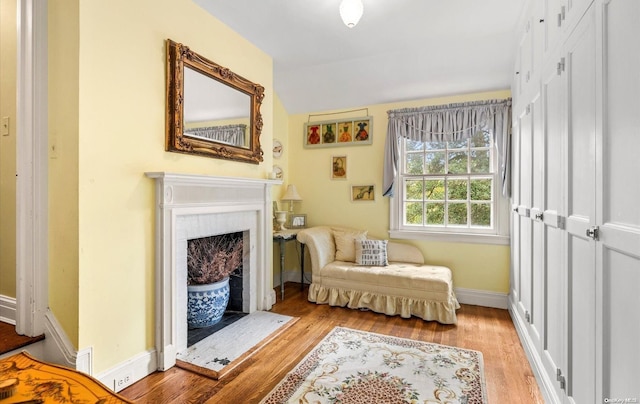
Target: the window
pixel 448 190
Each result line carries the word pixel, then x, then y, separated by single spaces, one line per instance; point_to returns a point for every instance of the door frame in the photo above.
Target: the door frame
pixel 32 255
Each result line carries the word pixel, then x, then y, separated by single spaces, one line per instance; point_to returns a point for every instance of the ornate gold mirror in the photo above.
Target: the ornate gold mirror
pixel 211 111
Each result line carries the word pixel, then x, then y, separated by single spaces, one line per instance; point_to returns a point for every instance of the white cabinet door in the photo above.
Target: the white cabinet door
pixel 536 327
pixel 525 56
pixel 524 210
pixel 554 341
pixel 515 218
pixel 580 61
pixel 575 11
pixel 554 16
pixel 618 263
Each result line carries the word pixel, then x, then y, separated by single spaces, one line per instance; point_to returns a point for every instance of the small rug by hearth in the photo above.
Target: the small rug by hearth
pixel 226 349
pixel 350 366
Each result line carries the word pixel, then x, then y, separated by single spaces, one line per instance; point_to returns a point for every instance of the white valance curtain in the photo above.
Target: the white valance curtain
pixel 230 134
pixel 445 123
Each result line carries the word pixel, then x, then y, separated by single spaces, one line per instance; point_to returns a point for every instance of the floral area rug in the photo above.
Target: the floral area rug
pixel 350 366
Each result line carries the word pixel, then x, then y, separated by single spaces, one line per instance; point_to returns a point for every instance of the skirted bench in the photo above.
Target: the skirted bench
pixel 349 270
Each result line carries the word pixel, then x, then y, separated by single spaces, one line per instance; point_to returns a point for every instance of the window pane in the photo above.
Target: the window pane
pixel 434 189
pixel 461 144
pixel 458 162
pixel 411 145
pixel 457 190
pixel 413 213
pixel 435 213
pixel 435 163
pixel 481 190
pixel 481 214
pixel 415 163
pixel 458 213
pixel 435 145
pixel 448 185
pixel 480 161
pixel 481 139
pixel 413 190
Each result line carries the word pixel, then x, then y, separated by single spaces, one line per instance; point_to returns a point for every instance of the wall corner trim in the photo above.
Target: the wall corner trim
pixel 58 347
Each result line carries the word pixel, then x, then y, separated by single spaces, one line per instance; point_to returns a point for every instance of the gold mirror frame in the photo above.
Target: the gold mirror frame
pixel 179 56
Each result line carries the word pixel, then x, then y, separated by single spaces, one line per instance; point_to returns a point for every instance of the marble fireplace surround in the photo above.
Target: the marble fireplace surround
pixel 193 206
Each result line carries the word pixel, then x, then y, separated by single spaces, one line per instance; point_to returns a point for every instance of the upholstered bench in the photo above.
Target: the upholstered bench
pixel 346 272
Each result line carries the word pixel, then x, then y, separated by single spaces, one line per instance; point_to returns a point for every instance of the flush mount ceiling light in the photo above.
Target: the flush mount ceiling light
pixel 351 11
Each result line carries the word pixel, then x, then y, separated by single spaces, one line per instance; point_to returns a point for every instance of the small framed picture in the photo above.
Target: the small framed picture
pixel 339 167
pixel 297 221
pixel 361 193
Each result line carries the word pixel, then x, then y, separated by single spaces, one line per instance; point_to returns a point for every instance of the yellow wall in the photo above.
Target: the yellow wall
pixel 328 202
pixel 116 63
pixel 8 148
pixel 63 114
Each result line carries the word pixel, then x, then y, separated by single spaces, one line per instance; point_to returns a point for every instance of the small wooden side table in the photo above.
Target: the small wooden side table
pixel 282 237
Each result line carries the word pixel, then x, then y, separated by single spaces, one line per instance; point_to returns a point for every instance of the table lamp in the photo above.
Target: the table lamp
pixel 291 195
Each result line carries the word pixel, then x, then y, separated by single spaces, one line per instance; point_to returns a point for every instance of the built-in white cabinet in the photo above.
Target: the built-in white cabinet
pixel 581 229
pixel 618 209
pixel 560 17
pixel 576 219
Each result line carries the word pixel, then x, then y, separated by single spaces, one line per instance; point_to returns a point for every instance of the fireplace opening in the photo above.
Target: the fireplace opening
pixel 209 258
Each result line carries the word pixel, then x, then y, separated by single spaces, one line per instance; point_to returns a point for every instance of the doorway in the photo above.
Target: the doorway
pixel 31 233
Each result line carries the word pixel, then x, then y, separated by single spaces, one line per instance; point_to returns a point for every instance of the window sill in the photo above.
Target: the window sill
pixel 450 237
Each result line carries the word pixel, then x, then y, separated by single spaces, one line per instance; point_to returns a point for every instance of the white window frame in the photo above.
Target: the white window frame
pixel 497 234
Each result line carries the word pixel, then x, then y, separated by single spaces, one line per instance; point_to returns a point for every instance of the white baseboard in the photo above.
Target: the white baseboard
pixel 55 347
pixel 130 371
pixel 58 347
pixel 544 383
pixel 8 309
pixel 293 276
pixel 482 298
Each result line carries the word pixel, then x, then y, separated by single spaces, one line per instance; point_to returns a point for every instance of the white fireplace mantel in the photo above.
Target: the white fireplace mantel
pixel 190 206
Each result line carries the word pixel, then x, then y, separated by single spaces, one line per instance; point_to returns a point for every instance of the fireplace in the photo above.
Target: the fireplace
pixel 209 261
pixel 195 206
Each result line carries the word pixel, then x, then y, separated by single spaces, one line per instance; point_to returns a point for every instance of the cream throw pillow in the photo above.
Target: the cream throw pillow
pixel 345 244
pixel 371 252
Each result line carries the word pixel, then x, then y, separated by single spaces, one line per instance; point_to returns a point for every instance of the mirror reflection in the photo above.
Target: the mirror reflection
pixel 211 111
pixel 214 111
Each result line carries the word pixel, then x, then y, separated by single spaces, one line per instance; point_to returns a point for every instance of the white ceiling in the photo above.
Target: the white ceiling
pixel 400 50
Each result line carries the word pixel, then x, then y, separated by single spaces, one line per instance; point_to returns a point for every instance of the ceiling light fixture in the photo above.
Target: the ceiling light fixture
pixel 351 11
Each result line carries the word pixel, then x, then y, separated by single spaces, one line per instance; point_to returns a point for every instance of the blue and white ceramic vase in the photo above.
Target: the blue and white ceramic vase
pixel 207 303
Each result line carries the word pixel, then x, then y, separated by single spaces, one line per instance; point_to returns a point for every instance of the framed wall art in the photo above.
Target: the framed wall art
pixel 360 193
pixel 338 167
pixel 336 133
pixel 297 221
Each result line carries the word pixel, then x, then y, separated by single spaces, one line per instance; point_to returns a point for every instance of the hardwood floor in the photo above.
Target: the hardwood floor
pixel 10 340
pixel 508 375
